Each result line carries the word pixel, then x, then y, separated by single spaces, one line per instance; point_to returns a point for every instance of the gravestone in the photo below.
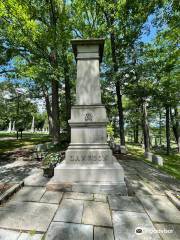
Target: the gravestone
pixel 89 165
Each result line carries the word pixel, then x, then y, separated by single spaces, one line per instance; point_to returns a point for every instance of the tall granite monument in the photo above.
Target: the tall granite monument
pixel 89 165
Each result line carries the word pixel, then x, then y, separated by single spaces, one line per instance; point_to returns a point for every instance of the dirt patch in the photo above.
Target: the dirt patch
pixel 20 153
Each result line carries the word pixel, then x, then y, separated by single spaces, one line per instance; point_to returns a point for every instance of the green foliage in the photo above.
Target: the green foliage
pixel 110 130
pixel 51 159
pixel 35 36
pixel 15 106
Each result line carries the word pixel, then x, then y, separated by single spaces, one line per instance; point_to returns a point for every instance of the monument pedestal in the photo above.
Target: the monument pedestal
pixel 93 178
pixel 89 165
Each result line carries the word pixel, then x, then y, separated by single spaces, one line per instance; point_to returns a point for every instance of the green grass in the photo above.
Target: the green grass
pixel 29 139
pixel 171 162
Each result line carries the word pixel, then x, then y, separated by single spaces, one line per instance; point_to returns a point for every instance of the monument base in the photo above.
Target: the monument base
pixel 89 178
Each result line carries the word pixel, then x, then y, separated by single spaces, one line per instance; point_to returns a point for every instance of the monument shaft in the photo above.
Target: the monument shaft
pixel 88 116
pixel 89 165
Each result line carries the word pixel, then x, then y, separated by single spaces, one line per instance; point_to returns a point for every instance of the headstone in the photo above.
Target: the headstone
pixel 10 126
pixel 89 163
pixel 123 149
pixel 13 128
pixel 117 148
pixel 41 147
pixel 32 125
pixel 149 156
pixel 157 160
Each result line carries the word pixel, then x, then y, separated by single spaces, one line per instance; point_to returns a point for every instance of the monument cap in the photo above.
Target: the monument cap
pixel 90 41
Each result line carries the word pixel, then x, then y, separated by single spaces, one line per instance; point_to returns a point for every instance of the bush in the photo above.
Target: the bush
pixel 52 159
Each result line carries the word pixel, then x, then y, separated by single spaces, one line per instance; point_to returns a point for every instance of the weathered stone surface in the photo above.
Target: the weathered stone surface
pixel 77 195
pixel 101 187
pixel 27 215
pixel 69 211
pixel 125 203
pixel 168 231
pixel 36 180
pixel 101 233
pixel 69 231
pixel 8 234
pixel 141 188
pixel 84 173
pixel 28 236
pixel 29 194
pixel 96 213
pixel 51 197
pixel 100 197
pixel 160 209
pixel 55 185
pixel 125 225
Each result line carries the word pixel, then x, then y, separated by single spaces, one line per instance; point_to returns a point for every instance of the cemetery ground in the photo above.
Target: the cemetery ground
pixel 33 213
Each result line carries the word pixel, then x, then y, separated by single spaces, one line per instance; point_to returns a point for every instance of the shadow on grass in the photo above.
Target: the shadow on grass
pixel 171 162
pixel 27 141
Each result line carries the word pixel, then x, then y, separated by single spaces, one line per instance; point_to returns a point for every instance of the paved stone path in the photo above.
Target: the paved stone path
pixel 34 212
pixel 16 171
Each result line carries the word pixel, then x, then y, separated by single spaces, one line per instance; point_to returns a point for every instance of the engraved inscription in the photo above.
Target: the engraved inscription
pixel 88 117
pixel 89 158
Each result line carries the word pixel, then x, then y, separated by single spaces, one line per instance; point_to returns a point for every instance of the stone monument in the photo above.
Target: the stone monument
pixel 89 165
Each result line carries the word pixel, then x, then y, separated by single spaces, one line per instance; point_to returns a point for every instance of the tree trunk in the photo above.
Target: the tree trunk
pixel 49 112
pixel 160 129
pixel 136 133
pixel 121 116
pixel 118 92
pixel 53 58
pixel 55 112
pixel 145 126
pixel 176 127
pixel 167 130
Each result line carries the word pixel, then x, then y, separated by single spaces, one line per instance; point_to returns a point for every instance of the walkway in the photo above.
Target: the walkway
pixel 33 212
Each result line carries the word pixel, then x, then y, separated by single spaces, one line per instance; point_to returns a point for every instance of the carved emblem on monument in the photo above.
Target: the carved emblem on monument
pixel 88 117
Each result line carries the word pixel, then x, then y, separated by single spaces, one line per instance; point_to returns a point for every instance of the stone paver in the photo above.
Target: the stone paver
pixel 34 208
pixel 69 231
pixel 101 233
pixel 37 179
pixel 160 209
pixel 52 197
pixel 169 231
pixel 77 195
pixel 100 197
pixel 125 225
pixel 96 213
pixel 141 188
pixel 29 194
pixel 28 236
pixel 125 203
pixel 15 171
pixel 8 234
pixel 27 215
pixel 70 210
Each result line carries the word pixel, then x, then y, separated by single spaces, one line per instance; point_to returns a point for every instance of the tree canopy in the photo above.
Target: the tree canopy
pixel 140 86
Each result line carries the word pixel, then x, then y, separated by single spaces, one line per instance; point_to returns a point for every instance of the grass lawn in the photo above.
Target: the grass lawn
pixel 171 162
pixel 29 139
